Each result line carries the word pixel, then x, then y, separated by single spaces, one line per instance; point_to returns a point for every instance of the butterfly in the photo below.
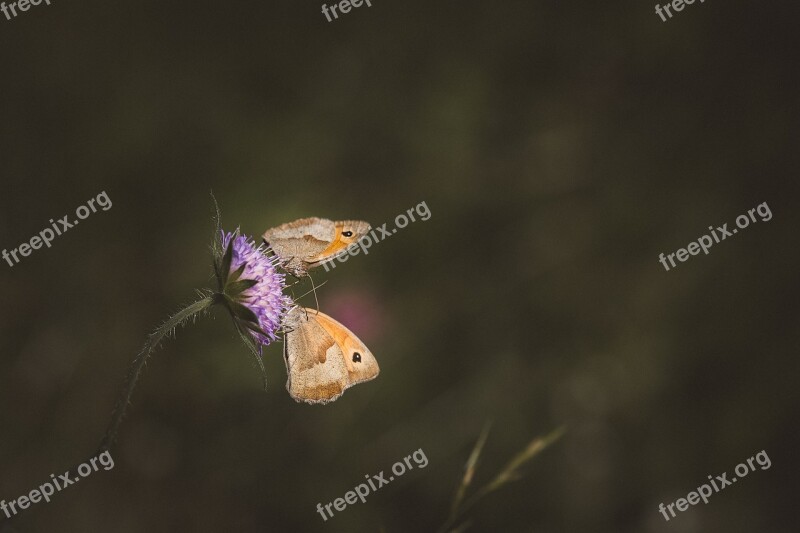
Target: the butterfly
pixel 310 242
pixel 323 358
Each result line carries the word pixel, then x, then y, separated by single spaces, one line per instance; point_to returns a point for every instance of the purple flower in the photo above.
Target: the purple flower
pixel 252 287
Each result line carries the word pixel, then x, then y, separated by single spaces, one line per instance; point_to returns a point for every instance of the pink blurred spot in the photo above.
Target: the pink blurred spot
pixel 358 310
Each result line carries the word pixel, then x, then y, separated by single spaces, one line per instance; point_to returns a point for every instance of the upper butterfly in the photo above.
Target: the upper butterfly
pixel 311 242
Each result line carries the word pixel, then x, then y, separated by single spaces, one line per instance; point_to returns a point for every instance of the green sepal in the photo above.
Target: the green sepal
pixel 254 349
pixel 217 274
pixel 242 312
pixel 225 267
pixel 236 274
pixel 235 288
pixel 216 245
pixel 245 317
pixel 255 328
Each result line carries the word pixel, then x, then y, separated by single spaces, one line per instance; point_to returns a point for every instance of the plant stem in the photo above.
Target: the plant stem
pixel 469 471
pixel 467 505
pixel 137 365
pixel 508 474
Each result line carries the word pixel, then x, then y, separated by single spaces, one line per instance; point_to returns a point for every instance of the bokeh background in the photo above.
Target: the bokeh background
pixel 560 148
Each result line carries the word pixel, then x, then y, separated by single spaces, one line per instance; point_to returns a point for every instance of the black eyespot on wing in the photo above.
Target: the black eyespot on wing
pixel 347 233
pixel 356 357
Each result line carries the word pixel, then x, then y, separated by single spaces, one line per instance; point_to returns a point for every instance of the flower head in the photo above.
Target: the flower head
pixel 251 286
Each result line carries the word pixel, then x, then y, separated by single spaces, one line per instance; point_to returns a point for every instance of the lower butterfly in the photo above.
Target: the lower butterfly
pixel 323 358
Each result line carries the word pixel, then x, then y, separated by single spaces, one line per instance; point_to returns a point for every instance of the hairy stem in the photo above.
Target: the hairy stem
pixel 137 365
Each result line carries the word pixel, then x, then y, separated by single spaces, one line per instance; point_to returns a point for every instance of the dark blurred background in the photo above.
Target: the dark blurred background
pixel 560 148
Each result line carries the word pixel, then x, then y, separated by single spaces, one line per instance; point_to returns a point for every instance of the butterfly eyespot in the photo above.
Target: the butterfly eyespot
pixel 356 357
pixel 347 233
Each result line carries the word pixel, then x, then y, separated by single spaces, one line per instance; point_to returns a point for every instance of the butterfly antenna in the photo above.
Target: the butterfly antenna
pixel 314 290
